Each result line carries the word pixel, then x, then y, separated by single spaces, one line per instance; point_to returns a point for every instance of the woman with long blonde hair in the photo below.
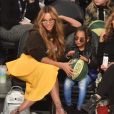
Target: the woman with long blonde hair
pixel 105 88
pixel 109 27
pixel 42 52
pixel 98 10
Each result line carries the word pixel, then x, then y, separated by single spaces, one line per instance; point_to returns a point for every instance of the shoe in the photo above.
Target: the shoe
pixel 69 109
pixel 60 111
pixel 90 106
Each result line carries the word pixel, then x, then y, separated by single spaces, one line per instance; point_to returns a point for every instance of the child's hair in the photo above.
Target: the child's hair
pixel 86 31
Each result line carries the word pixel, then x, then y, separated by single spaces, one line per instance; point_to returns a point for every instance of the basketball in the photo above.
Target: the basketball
pixel 80 69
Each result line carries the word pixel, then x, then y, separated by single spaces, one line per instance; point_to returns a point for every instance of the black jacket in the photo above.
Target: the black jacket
pixel 11 14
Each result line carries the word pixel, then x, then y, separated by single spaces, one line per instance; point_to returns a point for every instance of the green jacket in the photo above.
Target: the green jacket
pixel 92 14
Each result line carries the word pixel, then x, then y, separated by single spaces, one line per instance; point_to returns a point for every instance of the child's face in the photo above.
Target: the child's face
pixel 100 2
pixel 80 39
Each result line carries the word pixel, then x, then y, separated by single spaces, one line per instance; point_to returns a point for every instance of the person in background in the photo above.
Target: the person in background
pixel 83 3
pixel 41 58
pixel 16 18
pixel 33 9
pixel 82 50
pixel 105 88
pixel 70 24
pixel 98 10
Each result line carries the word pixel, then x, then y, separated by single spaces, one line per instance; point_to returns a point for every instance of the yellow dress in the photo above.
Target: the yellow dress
pixel 39 77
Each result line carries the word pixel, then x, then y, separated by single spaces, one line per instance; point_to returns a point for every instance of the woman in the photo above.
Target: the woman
pixel 106 86
pixel 98 10
pixel 43 50
pixel 16 18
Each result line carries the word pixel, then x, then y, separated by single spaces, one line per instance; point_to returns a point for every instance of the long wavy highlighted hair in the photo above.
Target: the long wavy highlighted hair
pixel 56 35
pixel 93 5
pixel 109 28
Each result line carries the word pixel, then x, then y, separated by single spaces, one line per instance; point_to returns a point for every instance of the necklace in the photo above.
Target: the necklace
pixel 23 12
pixel 51 39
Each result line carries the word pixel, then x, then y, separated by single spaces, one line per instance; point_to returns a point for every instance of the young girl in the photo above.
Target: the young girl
pixel 83 50
pixel 98 10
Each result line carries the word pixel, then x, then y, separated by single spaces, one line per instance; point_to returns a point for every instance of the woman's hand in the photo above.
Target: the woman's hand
pixel 104 68
pixel 67 68
pixel 111 63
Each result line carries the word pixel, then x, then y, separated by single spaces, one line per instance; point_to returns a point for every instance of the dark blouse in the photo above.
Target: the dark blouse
pixel 107 48
pixel 11 12
pixel 35 46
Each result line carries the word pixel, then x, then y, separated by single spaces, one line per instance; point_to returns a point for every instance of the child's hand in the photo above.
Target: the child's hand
pixel 84 58
pixel 71 53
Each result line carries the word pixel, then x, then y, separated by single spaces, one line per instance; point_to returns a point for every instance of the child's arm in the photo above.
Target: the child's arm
pixel 85 59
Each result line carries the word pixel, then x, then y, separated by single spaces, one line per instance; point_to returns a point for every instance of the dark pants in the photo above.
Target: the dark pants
pixel 112 109
pixel 106 86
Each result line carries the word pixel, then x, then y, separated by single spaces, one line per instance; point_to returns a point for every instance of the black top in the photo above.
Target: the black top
pixel 10 14
pixel 107 48
pixel 35 46
pixel 32 10
pixel 101 12
pixel 12 11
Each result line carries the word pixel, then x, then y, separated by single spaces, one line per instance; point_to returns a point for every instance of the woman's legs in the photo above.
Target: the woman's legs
pixel 56 99
pixel 106 86
pixel 68 84
pixel 82 91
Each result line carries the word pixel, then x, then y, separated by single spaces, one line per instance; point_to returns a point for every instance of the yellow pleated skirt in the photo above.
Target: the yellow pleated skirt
pixel 39 77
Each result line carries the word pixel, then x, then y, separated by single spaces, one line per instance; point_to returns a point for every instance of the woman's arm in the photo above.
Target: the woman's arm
pixel 36 47
pixel 71 21
pixel 65 66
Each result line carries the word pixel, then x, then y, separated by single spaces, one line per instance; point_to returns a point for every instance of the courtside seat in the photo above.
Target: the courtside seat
pixel 8 49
